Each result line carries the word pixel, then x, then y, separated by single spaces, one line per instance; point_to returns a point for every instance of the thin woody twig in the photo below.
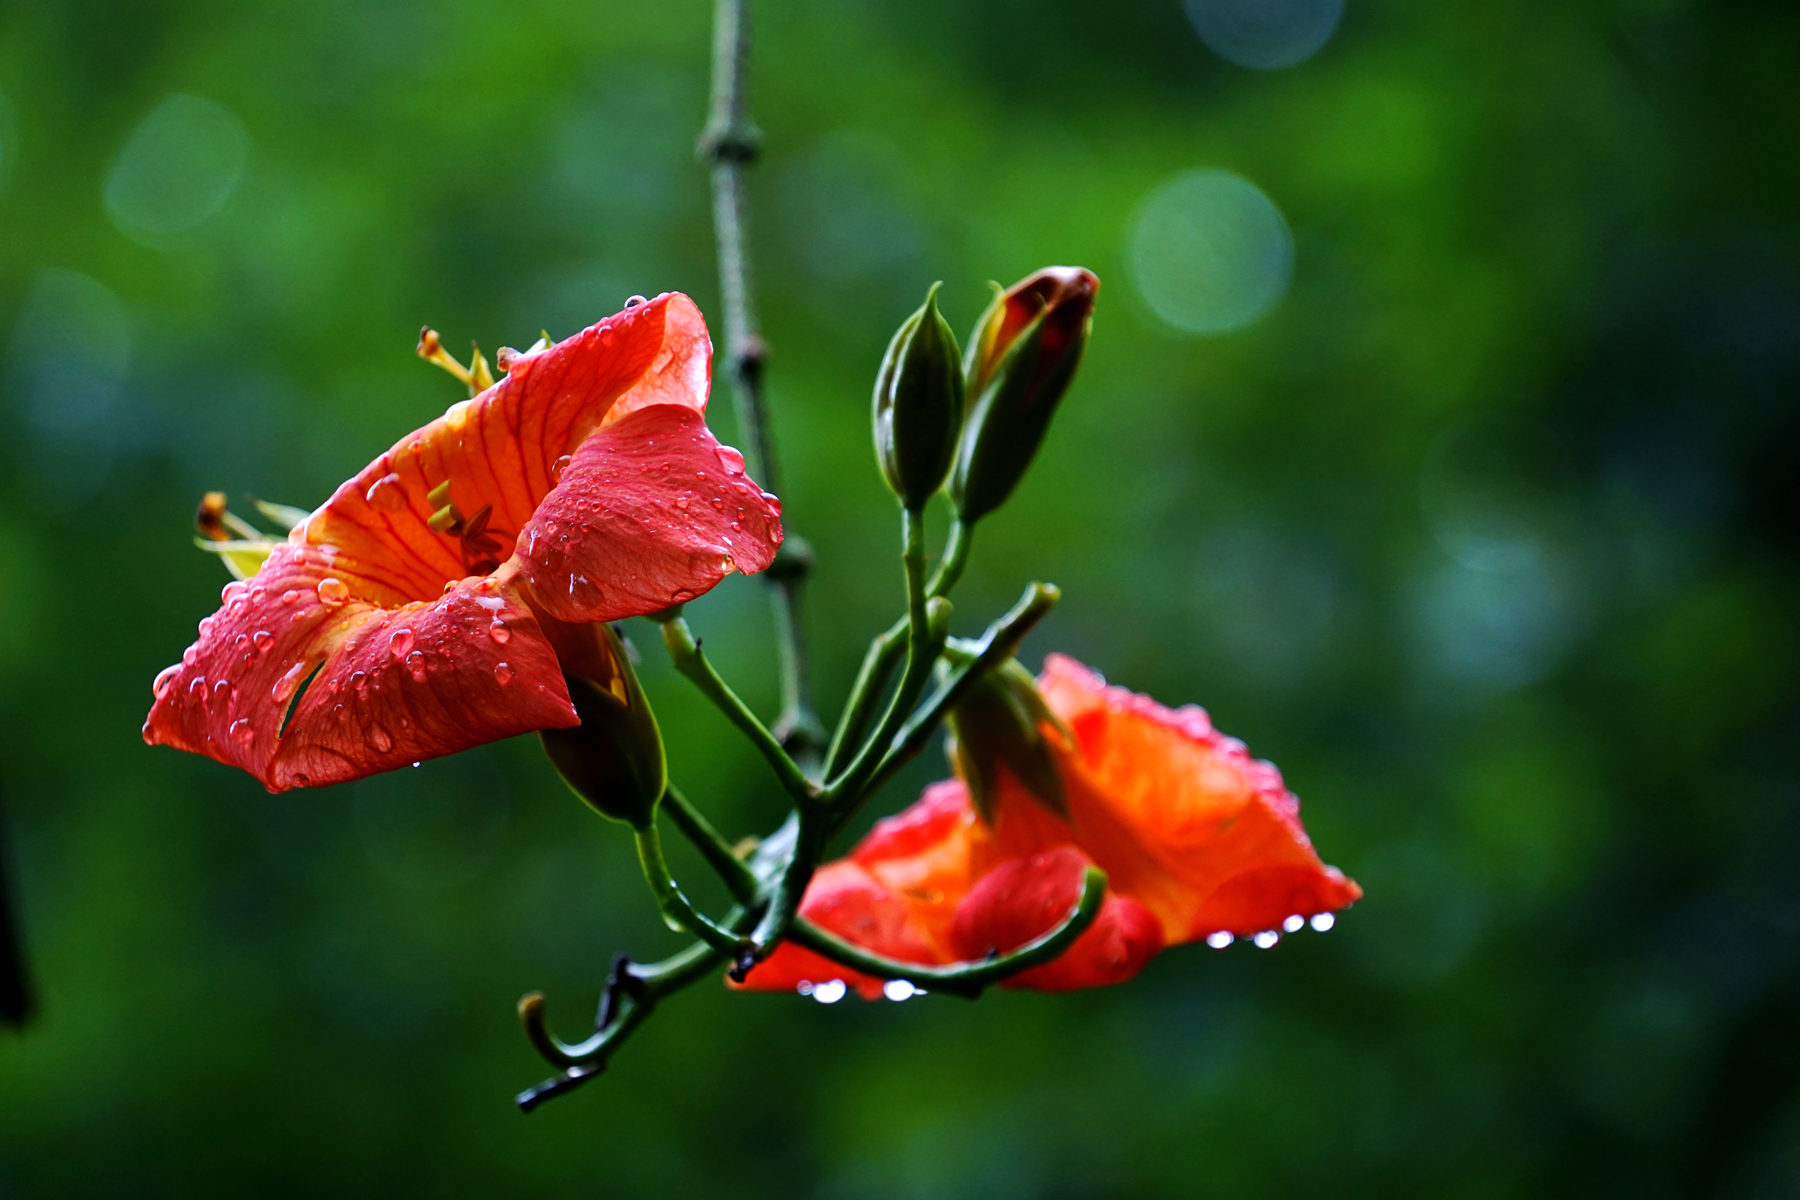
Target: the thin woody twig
pixel 730 143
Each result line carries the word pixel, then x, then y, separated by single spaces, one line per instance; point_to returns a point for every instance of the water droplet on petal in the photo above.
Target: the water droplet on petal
pixel 399 642
pixel 290 597
pixel 386 493
pixel 415 663
pixel 262 639
pixel 503 673
pixel 681 502
pixel 634 301
pixel 165 678
pixel 1294 924
pixel 1323 921
pixel 381 740
pixel 1219 940
pixel 733 460
pixel 829 992
pixel 360 681
pixel 499 632
pixel 242 732
pixel 190 656
pixel 718 503
pixel 1265 939
pixel 221 691
pixel 558 467
pixel 899 989
pixel 284 687
pixel 197 689
pixel 332 591
pixel 681 596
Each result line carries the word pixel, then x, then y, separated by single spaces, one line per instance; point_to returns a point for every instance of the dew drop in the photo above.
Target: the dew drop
pixel 400 642
pixel 899 989
pixel 415 663
pixel 681 502
pixel 197 689
pixel 221 691
pixel 1323 921
pixel 681 596
pixel 165 679
pixel 386 493
pixel 503 673
pixel 1265 939
pixel 733 460
pixel 499 632
pixel 262 639
pixel 718 503
pixel 242 732
pixel 190 656
pixel 829 992
pixel 290 597
pixel 1219 940
pixel 1294 924
pixel 283 690
pixel 634 301
pixel 332 591
pixel 558 467
pixel 360 681
pixel 381 740
pixel 240 642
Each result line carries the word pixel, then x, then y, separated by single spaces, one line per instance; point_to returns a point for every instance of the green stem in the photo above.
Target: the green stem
pixel 730 144
pixel 677 909
pixel 997 645
pixel 738 877
pixel 884 653
pixel 684 651
pixel 964 979
pixel 649 985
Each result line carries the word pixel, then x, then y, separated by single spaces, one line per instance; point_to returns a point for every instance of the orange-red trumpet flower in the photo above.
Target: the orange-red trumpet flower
pixel 1198 840
pixel 435 601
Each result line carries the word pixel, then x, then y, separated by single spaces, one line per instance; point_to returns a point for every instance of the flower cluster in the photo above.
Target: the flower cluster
pixel 459 589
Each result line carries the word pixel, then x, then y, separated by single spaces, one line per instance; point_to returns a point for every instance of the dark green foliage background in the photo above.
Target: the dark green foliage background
pixel 1552 246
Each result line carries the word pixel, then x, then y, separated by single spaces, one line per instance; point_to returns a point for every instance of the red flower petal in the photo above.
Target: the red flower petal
pixel 392 686
pixel 651 511
pixel 505 449
pixel 1175 811
pixel 1025 898
pixel 845 899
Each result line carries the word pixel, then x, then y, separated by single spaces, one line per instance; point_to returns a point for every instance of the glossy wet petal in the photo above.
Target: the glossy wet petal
pixel 651 511
pixel 845 899
pixel 1175 812
pixel 1025 898
pixel 504 450
pixel 368 688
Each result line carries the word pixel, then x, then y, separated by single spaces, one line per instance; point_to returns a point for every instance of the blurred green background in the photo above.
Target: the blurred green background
pixel 1438 434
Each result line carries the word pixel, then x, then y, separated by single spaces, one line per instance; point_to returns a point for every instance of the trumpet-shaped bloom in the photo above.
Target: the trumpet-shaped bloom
pixel 434 601
pixel 1196 837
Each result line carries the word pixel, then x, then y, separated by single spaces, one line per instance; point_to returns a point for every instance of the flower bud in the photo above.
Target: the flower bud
pixel 614 759
pixel 1000 723
pixel 918 405
pixel 1020 359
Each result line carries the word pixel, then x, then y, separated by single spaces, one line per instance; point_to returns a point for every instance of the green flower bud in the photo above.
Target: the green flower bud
pixel 1000 724
pixel 918 405
pixel 614 759
pixel 1020 361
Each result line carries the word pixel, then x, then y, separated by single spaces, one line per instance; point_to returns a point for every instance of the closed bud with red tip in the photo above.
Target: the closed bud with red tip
pixel 1020 360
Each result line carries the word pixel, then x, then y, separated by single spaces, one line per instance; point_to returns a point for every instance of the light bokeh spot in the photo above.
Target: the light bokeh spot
pixel 177 169
pixel 1210 252
pixel 70 349
pixel 1264 34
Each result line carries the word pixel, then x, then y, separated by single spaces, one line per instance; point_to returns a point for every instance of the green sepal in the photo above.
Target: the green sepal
pixel 999 725
pixel 614 760
pixel 242 557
